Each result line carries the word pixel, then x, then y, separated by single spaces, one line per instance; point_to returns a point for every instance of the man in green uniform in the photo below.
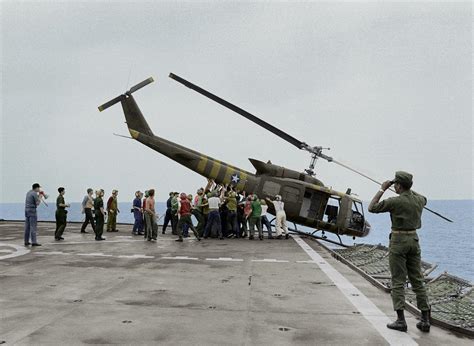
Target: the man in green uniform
pixel 231 198
pixel 99 214
pixel 404 249
pixel 61 215
pixel 255 218
pixel 112 210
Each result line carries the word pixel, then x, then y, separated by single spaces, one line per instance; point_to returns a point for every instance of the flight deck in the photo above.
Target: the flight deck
pixel 214 292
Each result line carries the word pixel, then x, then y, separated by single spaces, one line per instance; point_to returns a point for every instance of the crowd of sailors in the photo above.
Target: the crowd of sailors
pixel 219 212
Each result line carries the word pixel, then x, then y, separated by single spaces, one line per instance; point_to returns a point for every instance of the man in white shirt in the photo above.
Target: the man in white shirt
pixel 281 226
pixel 265 220
pixel 214 215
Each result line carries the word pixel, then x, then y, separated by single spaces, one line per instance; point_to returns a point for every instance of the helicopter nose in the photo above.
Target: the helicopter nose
pixel 367 228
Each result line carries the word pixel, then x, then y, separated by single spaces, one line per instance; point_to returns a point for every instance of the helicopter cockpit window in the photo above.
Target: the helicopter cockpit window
pixel 357 218
pixel 271 189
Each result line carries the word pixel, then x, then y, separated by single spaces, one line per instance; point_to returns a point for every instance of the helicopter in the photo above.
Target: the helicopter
pixel 308 202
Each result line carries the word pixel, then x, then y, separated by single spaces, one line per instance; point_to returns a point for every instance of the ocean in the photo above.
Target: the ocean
pixel 450 245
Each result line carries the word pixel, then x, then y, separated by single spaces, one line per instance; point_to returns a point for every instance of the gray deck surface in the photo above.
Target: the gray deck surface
pixel 226 292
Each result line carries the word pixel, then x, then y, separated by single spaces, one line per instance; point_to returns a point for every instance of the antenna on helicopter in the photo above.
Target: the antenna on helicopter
pixel 316 152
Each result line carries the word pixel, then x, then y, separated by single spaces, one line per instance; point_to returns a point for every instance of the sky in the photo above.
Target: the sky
pixel 387 86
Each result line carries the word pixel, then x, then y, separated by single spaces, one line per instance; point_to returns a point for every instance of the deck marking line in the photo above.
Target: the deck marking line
pixel 20 251
pixel 99 254
pixel 270 260
pixel 181 258
pixel 135 256
pixel 363 304
pixel 225 259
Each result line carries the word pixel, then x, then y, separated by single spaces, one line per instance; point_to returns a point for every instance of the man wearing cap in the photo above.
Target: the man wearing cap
pixel 280 226
pixel 185 217
pixel 32 201
pixel 404 249
pixel 112 210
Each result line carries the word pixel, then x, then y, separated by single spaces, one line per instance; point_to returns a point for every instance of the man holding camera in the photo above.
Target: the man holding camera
pixel 404 249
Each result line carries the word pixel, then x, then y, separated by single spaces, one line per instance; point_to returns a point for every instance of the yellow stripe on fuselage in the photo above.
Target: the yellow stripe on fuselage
pixel 243 180
pixel 216 166
pixel 202 164
pixel 228 175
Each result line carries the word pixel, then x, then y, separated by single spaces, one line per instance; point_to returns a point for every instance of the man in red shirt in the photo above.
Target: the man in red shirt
pixel 184 211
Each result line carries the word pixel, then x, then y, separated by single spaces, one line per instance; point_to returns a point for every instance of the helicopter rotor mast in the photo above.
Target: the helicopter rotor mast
pixel 316 152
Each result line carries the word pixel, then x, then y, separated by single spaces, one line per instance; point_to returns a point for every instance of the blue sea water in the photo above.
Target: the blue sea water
pixel 450 245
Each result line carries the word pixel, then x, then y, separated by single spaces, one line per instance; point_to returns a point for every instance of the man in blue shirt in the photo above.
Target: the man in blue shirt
pixel 31 219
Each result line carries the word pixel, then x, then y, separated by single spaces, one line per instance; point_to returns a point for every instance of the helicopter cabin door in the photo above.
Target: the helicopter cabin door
pixel 314 203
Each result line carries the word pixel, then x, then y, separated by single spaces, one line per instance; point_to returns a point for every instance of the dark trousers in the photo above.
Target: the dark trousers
pixel 268 225
pixel 232 224
pixel 174 224
pixel 61 221
pixel 214 218
pixel 167 220
pixel 201 221
pixel 185 220
pixel 99 225
pixel 138 225
pixel 89 218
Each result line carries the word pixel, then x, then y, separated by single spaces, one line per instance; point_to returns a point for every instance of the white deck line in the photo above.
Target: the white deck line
pixel 19 251
pixel 365 306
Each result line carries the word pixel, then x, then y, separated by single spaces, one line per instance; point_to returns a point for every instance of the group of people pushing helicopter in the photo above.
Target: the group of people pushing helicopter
pixel 219 210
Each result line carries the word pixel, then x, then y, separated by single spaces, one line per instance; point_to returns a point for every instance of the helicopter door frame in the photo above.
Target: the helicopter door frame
pixel 313 204
pixel 345 212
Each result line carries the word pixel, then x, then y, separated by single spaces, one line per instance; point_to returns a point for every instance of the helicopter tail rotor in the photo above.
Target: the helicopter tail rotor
pixel 128 93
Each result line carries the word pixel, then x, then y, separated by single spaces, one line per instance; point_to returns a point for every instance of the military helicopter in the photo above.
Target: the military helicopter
pixel 307 201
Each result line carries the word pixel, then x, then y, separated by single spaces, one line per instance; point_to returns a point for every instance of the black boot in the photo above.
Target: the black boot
pixel 424 324
pixel 400 324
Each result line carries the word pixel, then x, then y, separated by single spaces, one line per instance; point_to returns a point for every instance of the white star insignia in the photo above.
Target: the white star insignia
pixel 235 179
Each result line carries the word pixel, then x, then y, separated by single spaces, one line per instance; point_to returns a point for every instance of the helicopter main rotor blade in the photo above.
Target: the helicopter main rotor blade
pixel 297 143
pixel 379 183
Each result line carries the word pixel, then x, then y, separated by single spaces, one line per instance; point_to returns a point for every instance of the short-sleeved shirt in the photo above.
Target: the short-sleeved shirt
pixel 232 201
pixel 60 200
pixel 264 209
pixel 32 200
pixel 214 203
pixel 256 209
pixel 405 210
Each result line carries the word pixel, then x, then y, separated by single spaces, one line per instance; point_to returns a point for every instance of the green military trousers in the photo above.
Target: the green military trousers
pixel 201 222
pixel 61 220
pixel 186 220
pixel 112 221
pixel 99 224
pixel 255 221
pixel 405 260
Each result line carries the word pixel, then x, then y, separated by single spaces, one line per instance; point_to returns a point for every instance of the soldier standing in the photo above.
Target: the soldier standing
pixel 231 199
pixel 99 214
pixel 87 205
pixel 138 214
pixel 112 210
pixel 174 213
pixel 150 216
pixel 61 215
pixel 404 249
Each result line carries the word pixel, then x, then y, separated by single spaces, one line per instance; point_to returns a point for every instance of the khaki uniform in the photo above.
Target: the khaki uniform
pixel 404 249
pixel 112 215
